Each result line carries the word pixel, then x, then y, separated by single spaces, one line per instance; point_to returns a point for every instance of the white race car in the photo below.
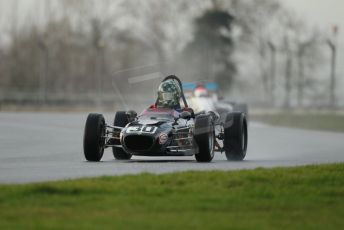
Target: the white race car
pixel 204 97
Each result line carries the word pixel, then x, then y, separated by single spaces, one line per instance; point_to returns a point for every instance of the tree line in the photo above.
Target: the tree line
pixel 256 50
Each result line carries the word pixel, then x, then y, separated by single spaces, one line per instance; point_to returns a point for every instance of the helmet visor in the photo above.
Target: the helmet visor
pixel 166 96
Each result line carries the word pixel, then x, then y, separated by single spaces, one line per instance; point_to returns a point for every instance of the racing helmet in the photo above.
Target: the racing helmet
pixel 201 92
pixel 169 93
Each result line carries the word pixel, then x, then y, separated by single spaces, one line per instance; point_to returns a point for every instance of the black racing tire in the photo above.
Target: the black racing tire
pixel 204 135
pixel 235 136
pixel 94 141
pixel 121 120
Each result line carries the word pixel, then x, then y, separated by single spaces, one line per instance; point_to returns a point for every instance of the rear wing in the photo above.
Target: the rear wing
pixel 190 86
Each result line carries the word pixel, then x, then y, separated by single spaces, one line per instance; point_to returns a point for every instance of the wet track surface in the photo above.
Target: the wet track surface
pixel 48 146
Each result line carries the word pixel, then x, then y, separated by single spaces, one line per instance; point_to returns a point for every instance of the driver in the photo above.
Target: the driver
pixel 201 91
pixel 169 94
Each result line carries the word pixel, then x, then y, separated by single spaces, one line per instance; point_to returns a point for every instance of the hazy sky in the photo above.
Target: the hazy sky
pixel 322 14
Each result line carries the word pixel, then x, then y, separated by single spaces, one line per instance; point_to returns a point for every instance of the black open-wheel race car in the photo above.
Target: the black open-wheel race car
pixel 167 132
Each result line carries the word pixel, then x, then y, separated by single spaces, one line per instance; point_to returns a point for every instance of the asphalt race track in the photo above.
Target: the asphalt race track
pixel 38 147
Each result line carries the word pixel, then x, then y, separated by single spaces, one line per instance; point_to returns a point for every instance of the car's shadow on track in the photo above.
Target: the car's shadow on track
pixel 178 161
pixel 160 161
pixel 142 161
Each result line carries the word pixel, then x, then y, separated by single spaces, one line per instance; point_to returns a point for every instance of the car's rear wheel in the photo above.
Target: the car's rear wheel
pixel 235 136
pixel 121 120
pixel 205 138
pixel 94 140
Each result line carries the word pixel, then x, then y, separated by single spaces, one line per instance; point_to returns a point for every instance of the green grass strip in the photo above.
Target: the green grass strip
pixel 325 122
pixel 310 197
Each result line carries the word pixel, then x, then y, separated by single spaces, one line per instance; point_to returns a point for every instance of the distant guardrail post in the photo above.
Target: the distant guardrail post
pixel 333 48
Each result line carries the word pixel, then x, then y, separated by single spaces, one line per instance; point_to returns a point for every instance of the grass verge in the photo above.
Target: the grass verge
pixel 314 121
pixel 310 197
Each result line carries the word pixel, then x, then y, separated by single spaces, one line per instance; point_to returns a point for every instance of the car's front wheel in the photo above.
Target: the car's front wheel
pixel 205 138
pixel 94 140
